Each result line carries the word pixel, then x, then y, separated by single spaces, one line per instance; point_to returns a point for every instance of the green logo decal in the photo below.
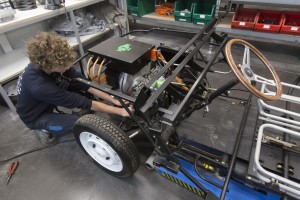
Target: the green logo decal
pixel 124 47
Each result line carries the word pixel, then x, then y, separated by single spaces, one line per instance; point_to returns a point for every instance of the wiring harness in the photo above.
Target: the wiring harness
pixel 91 69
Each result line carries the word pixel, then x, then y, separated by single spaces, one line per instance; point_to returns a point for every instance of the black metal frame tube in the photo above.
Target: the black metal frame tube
pixel 200 78
pixel 236 147
pixel 230 84
pixel 199 35
pixel 107 90
pixel 158 92
pixel 136 121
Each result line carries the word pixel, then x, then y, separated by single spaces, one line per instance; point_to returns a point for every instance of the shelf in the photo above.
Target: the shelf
pixel 225 26
pixel 73 41
pixel 275 3
pixel 9 69
pixel 157 20
pixel 24 18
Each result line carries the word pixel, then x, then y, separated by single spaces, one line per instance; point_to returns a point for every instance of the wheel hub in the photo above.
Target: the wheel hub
pixel 249 72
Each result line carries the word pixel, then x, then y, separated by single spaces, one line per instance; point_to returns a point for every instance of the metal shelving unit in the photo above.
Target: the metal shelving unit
pixel 274 3
pixel 168 22
pixel 13 61
pixel 225 24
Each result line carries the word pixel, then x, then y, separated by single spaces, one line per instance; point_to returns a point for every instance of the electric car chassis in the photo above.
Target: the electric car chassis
pixel 165 85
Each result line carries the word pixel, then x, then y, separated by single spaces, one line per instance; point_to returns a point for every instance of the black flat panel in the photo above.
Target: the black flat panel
pixel 126 55
pixel 219 128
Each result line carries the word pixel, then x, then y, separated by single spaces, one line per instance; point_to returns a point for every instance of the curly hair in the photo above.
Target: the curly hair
pixel 49 50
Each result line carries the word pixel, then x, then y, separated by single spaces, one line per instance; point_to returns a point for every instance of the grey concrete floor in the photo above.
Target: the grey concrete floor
pixel 65 172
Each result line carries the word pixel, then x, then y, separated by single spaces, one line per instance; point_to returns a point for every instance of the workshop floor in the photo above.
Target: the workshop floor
pixel 65 172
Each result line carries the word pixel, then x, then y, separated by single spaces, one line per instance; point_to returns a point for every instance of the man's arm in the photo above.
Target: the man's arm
pixel 101 94
pixel 104 96
pixel 102 107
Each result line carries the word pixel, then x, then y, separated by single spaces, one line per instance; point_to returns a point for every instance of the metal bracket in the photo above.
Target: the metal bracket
pixel 163 162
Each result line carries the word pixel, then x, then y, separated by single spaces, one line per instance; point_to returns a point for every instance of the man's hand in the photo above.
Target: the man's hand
pixel 117 102
pixel 105 96
pixel 124 113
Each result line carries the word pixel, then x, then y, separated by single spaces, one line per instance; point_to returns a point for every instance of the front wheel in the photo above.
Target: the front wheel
pixel 107 144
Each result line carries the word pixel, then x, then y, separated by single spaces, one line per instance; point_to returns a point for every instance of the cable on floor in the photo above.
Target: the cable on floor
pixel 34 150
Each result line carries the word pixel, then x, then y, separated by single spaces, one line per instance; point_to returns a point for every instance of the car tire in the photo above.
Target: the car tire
pixel 107 144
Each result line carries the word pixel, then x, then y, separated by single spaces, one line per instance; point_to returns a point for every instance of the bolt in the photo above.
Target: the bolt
pixel 279 166
pixel 107 158
pixel 94 145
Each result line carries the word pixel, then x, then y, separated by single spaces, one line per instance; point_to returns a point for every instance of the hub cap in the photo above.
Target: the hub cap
pixel 101 151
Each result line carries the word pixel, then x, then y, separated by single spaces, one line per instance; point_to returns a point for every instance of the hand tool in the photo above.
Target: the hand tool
pixel 12 170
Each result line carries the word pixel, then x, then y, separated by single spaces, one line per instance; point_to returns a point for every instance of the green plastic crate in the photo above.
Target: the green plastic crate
pixel 184 10
pixel 140 7
pixel 204 10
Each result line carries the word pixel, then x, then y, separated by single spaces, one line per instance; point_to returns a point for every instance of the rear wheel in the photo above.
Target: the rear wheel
pixel 107 144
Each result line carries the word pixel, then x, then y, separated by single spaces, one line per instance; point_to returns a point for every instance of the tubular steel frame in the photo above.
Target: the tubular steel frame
pixel 285 185
pixel 145 99
pixel 280 120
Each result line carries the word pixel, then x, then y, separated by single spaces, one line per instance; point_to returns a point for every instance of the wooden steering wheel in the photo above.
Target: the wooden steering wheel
pixel 245 74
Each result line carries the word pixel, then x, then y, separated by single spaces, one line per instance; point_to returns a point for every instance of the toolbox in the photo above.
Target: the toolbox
pixel 291 23
pixel 204 11
pixel 269 21
pixel 184 10
pixel 244 18
pixel 140 7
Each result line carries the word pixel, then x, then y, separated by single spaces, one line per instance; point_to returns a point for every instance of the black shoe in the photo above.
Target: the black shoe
pixel 45 137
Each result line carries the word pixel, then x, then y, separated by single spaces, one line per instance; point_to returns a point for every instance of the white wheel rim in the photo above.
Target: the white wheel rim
pixel 101 151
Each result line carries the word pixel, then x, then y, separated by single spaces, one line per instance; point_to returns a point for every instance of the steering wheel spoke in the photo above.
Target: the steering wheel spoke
pixel 263 80
pixel 246 59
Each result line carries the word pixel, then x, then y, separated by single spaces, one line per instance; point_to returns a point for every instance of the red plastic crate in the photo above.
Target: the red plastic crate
pixel 244 18
pixel 291 23
pixel 269 21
